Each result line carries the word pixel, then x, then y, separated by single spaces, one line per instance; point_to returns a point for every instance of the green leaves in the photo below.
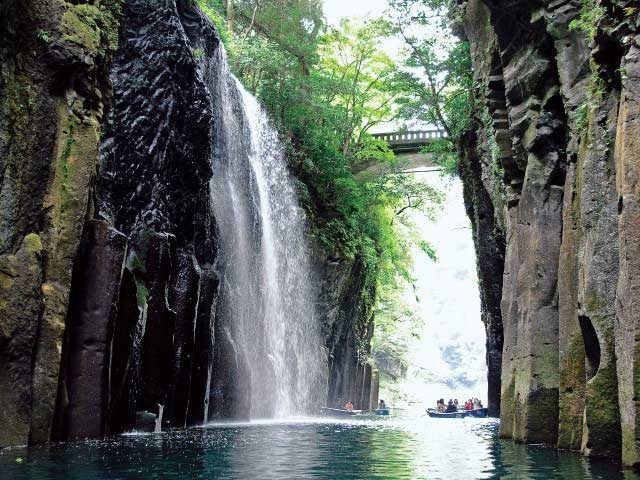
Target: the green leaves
pixel 428 249
pixel 373 149
pixel 591 13
pixel 361 78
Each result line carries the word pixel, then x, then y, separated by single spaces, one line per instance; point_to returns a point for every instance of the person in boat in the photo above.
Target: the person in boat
pixel 348 406
pixel 382 405
pixel 440 406
pixel 468 405
pixel 476 403
pixel 451 408
pixel 455 402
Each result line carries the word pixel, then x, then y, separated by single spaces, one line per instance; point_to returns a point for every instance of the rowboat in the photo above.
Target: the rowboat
pixel 476 413
pixel 341 412
pixel 337 412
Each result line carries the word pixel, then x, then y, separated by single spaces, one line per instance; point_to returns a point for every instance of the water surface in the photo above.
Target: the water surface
pixel 410 448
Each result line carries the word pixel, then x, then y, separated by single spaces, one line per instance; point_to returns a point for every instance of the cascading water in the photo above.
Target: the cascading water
pixel 267 299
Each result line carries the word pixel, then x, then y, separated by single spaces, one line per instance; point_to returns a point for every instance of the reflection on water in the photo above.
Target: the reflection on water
pixel 409 448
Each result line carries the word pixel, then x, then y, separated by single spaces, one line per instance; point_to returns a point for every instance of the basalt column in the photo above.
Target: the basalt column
pixel 568 73
pixel 627 166
pixel 53 61
pixel 534 172
pixel 83 398
pixel 152 196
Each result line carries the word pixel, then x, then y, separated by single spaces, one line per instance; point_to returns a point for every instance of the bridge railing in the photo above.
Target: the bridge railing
pixel 417 136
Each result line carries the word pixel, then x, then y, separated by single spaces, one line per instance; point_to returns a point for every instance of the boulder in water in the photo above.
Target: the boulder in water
pixel 145 421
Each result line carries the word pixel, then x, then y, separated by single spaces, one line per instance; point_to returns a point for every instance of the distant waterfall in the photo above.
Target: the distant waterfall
pixel 267 298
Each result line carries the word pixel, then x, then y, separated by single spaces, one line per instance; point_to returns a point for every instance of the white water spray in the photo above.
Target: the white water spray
pixel 267 298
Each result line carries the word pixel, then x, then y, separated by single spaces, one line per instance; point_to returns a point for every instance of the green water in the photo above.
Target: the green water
pixel 409 448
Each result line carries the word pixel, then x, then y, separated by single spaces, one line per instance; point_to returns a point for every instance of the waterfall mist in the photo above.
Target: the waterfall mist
pixel 266 307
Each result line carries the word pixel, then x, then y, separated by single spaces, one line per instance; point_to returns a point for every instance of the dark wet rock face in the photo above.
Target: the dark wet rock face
pixel 203 349
pixel 346 309
pixel 94 303
pixel 155 155
pixel 106 223
pixel 153 186
pixel 547 164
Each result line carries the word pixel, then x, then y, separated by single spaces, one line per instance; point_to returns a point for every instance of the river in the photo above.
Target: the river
pixel 410 447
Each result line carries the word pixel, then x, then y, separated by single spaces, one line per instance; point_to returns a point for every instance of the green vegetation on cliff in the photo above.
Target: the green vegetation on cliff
pixel 326 88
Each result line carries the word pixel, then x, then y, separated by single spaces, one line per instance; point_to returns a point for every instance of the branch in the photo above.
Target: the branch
pixel 432 82
pixel 401 211
pixel 253 19
pixel 263 31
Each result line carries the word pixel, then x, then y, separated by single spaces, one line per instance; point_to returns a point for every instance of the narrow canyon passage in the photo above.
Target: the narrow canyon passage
pixel 447 355
pixel 245 238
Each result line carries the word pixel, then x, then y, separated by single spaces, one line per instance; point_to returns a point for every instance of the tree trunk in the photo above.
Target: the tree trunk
pixel 230 15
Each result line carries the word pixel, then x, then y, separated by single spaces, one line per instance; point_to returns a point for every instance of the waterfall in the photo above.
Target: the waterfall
pixel 267 299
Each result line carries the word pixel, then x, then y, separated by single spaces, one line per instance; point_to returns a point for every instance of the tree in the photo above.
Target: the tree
pixel 436 74
pixel 362 76
pixel 292 26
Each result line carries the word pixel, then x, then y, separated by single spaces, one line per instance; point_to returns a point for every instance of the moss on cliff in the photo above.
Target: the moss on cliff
pixel 571 401
pixel 54 74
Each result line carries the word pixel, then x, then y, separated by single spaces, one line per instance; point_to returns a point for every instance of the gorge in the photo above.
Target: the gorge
pixel 163 240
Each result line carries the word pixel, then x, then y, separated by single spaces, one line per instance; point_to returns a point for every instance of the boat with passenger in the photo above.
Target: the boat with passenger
pixel 472 408
pixel 347 410
pixel 341 412
pixel 477 413
pixel 337 412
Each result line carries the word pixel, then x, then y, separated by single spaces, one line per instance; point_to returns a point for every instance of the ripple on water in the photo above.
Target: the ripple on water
pixel 411 448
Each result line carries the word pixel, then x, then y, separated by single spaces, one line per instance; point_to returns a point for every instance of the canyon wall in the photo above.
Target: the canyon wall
pixel 108 245
pixel 550 175
pixel 53 85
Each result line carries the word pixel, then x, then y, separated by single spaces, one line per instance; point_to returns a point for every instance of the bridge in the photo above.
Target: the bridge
pixel 408 149
pixel 410 141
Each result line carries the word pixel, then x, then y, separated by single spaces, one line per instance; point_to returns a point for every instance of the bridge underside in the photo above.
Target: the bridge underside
pixel 413 160
pixel 407 161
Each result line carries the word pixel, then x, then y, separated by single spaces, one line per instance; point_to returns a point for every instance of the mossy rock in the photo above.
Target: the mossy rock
pixel 33 243
pixel 78 27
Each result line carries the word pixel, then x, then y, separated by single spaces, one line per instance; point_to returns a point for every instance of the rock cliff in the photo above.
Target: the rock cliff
pixel 550 174
pixel 346 310
pixel 108 241
pixel 53 83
